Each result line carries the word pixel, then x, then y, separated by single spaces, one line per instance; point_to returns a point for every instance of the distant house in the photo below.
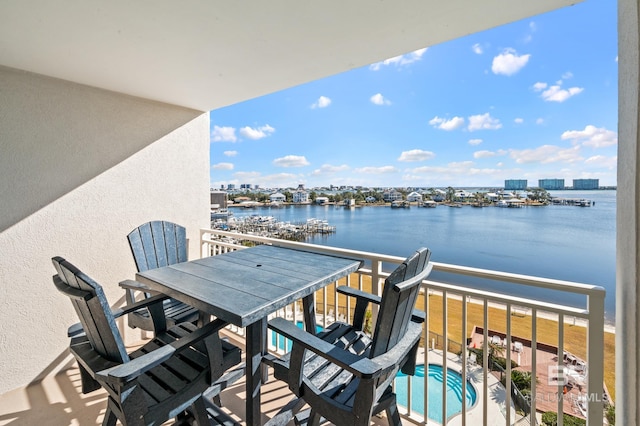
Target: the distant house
pixel 391 195
pixel 239 200
pixel 439 196
pixel 414 196
pixel 301 196
pixel 322 200
pixel 277 197
pixel 370 199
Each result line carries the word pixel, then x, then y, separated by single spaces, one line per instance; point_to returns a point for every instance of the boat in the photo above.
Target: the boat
pixel 429 204
pixel 400 204
pixel 220 214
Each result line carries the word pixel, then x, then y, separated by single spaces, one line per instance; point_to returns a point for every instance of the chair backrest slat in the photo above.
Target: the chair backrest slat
pixel 93 311
pixel 399 297
pixel 158 243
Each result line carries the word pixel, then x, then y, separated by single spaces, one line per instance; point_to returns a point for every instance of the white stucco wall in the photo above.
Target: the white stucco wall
pixel 79 169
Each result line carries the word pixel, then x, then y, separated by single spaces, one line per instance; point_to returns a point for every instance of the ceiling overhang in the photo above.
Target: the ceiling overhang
pixel 207 54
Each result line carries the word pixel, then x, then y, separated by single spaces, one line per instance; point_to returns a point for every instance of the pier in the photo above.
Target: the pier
pixel 268 226
pixel 580 202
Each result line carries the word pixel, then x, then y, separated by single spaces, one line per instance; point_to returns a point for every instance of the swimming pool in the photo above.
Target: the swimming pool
pixel 454 392
pixel 279 340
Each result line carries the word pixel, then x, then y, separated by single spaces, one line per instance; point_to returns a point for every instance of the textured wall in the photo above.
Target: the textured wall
pixel 628 217
pixel 79 169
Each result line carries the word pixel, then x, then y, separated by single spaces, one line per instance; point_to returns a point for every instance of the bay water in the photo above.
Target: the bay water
pixel 557 241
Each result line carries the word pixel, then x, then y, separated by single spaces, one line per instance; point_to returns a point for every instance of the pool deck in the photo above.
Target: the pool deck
pixel 496 397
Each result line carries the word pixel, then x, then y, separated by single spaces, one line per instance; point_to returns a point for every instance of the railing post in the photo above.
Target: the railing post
pixel 595 358
pixel 376 270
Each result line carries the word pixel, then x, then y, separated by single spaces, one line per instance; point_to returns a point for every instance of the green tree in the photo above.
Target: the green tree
pixel 451 194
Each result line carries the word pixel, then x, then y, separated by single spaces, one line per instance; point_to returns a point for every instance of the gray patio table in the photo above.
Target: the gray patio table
pixel 245 286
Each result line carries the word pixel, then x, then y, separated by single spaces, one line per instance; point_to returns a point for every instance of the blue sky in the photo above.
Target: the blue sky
pixel 529 100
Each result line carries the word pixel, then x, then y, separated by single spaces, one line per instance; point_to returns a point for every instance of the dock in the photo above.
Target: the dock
pixel 268 226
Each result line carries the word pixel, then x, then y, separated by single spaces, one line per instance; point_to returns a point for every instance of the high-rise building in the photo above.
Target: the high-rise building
pixel 551 184
pixel 515 184
pixel 586 183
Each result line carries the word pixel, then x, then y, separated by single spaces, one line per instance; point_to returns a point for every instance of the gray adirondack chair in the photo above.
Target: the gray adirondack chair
pixel 162 380
pixel 344 375
pixel 153 245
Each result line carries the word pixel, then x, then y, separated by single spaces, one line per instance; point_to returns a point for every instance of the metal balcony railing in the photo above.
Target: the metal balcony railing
pixel 562 380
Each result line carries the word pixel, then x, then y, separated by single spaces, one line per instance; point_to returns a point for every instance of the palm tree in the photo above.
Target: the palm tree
pixel 451 194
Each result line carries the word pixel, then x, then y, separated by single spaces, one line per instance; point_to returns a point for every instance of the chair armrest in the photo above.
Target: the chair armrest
pixel 75 330
pixel 359 294
pixel 416 315
pixel 131 370
pixel 141 304
pixel 136 285
pixel 358 365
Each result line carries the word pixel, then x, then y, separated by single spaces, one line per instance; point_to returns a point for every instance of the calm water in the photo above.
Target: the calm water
pixel 562 242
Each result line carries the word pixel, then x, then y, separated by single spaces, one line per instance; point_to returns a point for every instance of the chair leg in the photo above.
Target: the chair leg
pixel 393 416
pixel 200 412
pixel 109 418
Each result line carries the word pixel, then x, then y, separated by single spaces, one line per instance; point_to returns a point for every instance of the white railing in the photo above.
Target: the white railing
pixel 450 295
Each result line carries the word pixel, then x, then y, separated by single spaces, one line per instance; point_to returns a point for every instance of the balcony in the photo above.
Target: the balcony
pixel 482 327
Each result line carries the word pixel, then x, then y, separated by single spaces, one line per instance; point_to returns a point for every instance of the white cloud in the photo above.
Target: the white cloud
pixel 257 132
pixel 223 134
pixel 477 49
pixel 475 141
pixel 509 62
pixel 400 61
pixel 376 170
pixel 592 136
pixel 518 120
pixel 546 154
pixel 483 122
pixel 540 121
pixel 326 169
pixel 378 99
pixel 416 155
pixel 602 161
pixel 555 93
pixel 230 153
pixel 222 166
pixel 539 86
pixel 488 154
pixel 322 102
pixel 291 161
pixel 444 124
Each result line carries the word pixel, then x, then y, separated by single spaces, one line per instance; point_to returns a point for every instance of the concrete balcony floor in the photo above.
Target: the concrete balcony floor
pixel 57 399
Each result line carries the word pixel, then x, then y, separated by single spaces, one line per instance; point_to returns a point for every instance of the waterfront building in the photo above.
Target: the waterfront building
pixel 586 183
pixel 219 200
pixel 414 196
pixel 391 195
pixel 277 197
pixel 322 200
pixel 164 131
pixel 551 184
pixel 517 184
pixel 300 196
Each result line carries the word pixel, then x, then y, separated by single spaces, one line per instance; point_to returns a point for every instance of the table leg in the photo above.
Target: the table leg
pixel 256 347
